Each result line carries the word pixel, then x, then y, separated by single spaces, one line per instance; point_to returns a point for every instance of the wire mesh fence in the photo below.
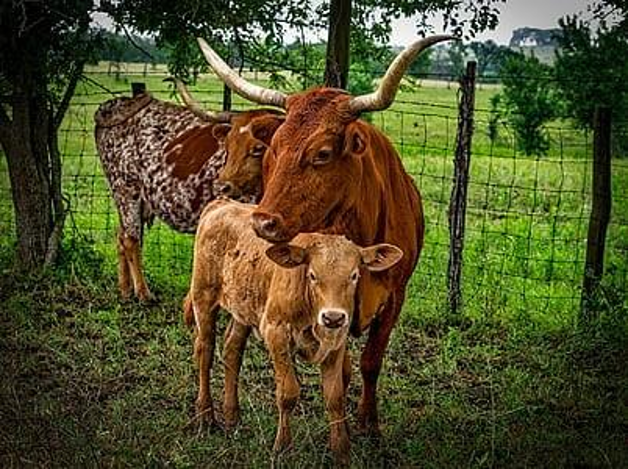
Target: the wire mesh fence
pixel 526 221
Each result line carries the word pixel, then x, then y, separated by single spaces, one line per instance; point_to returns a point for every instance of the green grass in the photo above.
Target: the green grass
pixel 88 380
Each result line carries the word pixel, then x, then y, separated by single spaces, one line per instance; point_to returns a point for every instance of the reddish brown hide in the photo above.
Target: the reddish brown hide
pixel 326 170
pixel 333 173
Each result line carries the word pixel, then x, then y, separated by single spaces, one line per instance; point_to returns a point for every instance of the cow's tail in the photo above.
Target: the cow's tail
pixel 188 311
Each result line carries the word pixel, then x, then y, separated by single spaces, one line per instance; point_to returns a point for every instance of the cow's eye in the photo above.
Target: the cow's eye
pixel 323 156
pixel 258 150
pixel 311 276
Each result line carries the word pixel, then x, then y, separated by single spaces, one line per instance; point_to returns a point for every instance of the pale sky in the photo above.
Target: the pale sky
pixel 514 14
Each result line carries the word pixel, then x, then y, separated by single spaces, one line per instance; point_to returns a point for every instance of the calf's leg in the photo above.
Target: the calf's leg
pixel 236 336
pixel 205 308
pixel 334 390
pixel 286 384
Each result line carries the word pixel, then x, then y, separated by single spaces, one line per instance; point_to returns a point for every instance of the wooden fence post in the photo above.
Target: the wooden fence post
pixel 600 212
pixel 458 201
pixel 138 88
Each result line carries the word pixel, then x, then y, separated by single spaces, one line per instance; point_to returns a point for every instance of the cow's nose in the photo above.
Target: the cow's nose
pixel 224 188
pixel 267 226
pixel 333 319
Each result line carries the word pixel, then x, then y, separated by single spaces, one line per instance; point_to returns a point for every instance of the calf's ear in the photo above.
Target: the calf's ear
pixel 220 131
pixel 287 255
pixel 380 257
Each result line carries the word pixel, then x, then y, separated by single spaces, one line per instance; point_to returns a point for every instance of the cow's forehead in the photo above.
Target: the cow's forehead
pixel 324 109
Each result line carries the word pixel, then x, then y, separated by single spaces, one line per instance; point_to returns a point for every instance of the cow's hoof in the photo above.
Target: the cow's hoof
pixel 232 419
pixel 369 429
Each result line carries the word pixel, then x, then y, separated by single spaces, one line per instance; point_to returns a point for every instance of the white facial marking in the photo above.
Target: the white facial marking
pixel 245 129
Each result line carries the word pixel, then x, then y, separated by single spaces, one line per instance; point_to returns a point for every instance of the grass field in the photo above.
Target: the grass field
pixel 514 381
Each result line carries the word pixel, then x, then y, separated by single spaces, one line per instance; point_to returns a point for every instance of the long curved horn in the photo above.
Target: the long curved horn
pixel 194 106
pixel 385 93
pixel 247 90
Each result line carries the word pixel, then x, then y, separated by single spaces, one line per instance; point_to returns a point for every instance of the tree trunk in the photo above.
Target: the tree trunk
pixel 30 189
pixel 337 61
pixel 35 180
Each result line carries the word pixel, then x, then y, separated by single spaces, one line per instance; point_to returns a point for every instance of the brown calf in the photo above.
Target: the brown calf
pixel 299 296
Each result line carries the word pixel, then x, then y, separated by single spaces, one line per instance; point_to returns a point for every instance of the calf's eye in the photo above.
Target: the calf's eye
pixel 354 276
pixel 311 276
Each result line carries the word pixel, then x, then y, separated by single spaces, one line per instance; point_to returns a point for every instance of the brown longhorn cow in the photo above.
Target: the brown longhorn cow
pixel 162 159
pixel 328 171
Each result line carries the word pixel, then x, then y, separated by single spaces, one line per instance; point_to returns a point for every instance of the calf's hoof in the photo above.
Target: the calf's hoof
pixel 232 418
pixel 145 296
pixel 341 450
pixel 205 413
pixel 283 442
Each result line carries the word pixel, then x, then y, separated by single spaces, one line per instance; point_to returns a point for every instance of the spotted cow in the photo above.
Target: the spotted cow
pixel 161 160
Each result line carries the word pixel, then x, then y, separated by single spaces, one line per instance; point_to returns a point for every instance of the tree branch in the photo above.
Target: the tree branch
pixel 75 76
pixel 135 44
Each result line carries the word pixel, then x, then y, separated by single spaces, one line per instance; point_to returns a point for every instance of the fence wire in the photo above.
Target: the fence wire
pixel 526 222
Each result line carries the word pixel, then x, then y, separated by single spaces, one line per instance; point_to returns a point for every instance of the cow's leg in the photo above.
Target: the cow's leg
pixel 133 248
pixel 124 271
pixel 334 389
pixel 205 307
pixel 235 341
pixel 371 363
pixel 130 237
pixel 286 384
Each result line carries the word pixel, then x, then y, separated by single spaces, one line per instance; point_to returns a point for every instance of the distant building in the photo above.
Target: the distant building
pixel 542 43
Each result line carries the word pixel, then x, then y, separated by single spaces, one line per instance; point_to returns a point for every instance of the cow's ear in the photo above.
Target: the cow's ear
pixel 287 255
pixel 265 127
pixel 220 131
pixel 380 257
pixel 356 141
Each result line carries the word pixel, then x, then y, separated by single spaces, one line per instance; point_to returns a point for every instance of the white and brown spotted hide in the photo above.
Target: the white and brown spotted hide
pixel 161 160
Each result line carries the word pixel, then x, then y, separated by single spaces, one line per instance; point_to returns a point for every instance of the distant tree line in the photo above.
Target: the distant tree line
pixel 589 70
pixel 120 48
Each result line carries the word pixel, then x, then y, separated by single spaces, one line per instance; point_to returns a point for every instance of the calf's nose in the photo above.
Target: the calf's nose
pixel 333 319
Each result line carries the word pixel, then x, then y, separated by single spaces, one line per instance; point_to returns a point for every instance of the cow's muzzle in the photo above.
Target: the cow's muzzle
pixel 270 227
pixel 224 189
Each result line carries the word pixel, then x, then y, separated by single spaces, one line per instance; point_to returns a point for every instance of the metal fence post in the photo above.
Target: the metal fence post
pixel 600 212
pixel 138 88
pixel 458 201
